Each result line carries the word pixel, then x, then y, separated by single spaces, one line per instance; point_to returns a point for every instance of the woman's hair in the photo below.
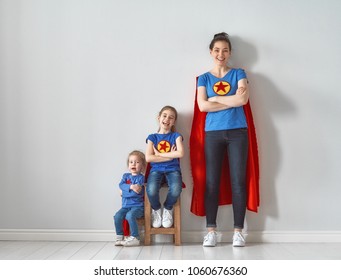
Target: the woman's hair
pixel 167 107
pixel 220 37
pixel 141 157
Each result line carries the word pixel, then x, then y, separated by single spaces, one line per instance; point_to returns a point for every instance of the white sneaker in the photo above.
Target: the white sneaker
pixel 119 240
pixel 238 239
pixel 167 218
pixel 156 218
pixel 131 241
pixel 210 240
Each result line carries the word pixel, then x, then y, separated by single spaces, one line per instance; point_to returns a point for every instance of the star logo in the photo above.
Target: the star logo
pixel 221 88
pixel 163 146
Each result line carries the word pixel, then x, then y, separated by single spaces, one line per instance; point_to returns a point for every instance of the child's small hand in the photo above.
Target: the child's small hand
pixel 136 188
pixel 156 152
pixel 173 148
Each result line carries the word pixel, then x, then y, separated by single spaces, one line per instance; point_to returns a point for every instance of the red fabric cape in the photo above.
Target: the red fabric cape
pixel 198 165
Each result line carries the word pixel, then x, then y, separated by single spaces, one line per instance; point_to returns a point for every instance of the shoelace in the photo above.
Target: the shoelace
pixel 238 236
pixel 167 214
pixel 209 236
pixel 156 215
pixel 130 238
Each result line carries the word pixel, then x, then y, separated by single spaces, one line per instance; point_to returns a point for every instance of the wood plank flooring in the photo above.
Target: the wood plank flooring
pixel 45 250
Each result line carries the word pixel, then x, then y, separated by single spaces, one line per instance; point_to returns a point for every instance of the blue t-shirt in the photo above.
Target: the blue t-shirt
pixel 231 118
pixel 129 197
pixel 163 143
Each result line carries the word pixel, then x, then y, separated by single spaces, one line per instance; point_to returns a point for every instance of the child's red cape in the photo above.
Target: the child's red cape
pixel 198 165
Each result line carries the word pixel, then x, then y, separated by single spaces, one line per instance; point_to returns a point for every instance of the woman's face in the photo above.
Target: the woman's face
pixel 220 53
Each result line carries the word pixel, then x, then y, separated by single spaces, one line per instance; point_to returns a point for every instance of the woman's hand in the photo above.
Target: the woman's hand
pixel 241 90
pixel 212 99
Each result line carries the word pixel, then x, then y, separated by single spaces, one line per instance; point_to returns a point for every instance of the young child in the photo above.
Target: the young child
pixel 164 149
pixel 132 191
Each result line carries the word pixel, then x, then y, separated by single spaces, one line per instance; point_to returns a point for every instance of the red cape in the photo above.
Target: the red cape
pixel 198 165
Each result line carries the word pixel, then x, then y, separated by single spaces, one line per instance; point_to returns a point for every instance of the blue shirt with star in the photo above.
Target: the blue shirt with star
pixel 231 118
pixel 163 143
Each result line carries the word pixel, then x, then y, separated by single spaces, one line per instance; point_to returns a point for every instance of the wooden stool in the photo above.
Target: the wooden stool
pixel 175 229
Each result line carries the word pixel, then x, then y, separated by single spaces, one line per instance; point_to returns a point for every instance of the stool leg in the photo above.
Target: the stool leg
pixel 147 220
pixel 177 223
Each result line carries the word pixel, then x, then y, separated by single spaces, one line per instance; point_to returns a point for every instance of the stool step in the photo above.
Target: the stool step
pixel 163 230
pixel 175 230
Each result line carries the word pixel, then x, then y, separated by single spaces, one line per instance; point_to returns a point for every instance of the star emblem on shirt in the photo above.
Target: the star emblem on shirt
pixel 221 88
pixel 163 146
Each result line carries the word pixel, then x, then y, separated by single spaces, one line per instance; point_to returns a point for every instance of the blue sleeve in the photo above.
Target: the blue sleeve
pixel 123 185
pixel 177 134
pixel 241 74
pixel 151 137
pixel 141 180
pixel 202 81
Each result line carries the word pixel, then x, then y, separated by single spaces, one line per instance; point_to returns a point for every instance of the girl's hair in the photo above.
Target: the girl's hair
pixel 167 107
pixel 220 37
pixel 141 157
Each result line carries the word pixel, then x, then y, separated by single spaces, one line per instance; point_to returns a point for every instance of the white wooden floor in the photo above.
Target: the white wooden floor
pixel 45 250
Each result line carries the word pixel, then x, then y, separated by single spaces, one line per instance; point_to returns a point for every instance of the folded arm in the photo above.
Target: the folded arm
pixel 129 189
pixel 153 155
pixel 206 105
pixel 177 150
pixel 239 99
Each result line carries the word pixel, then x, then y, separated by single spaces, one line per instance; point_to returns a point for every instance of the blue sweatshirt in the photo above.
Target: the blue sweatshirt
pixel 129 197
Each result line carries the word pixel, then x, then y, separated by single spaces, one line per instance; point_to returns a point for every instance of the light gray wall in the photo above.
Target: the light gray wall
pixel 81 83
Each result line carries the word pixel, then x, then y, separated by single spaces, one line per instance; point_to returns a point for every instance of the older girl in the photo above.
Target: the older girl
pixel 164 149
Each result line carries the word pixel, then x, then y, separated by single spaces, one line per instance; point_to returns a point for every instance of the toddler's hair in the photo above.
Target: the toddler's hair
pixel 141 157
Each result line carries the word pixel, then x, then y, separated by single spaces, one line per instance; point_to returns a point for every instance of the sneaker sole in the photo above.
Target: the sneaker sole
pixel 209 245
pixel 238 245
pixel 166 226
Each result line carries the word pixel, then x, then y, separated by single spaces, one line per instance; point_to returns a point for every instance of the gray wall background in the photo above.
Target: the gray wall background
pixel 81 83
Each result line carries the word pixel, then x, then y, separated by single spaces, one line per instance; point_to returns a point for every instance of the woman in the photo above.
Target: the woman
pixel 221 93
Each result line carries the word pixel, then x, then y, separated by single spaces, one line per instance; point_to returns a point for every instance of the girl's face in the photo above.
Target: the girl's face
pixel 221 53
pixel 167 120
pixel 135 165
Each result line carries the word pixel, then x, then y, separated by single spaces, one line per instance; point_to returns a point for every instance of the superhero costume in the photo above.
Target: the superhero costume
pixel 198 165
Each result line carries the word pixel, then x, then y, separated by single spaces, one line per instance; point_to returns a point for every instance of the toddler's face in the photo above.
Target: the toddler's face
pixel 135 165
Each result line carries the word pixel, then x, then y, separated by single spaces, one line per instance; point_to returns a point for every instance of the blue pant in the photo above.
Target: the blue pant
pixel 234 143
pixel 154 183
pixel 130 214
